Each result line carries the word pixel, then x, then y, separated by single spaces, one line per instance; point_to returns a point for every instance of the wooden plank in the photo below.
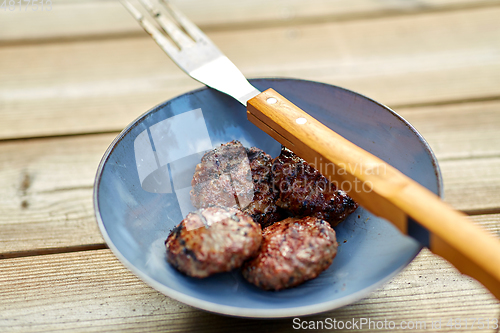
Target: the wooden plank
pixel 472 185
pixel 490 222
pixel 46 192
pixel 91 291
pixel 91 19
pixel 108 81
pixel 468 130
pixel 96 86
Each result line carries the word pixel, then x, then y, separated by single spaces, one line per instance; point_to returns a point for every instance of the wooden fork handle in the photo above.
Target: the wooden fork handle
pixel 382 189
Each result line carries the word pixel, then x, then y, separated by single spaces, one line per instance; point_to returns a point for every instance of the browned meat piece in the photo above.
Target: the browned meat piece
pixel 223 178
pixel 305 192
pixel 233 176
pixel 292 252
pixel 263 208
pixel 213 240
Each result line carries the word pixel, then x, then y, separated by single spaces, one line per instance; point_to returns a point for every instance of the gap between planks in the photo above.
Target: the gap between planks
pixel 103 86
pixel 93 291
pixel 55 250
pixel 405 109
pixel 446 102
pixel 256 17
pixel 41 189
pixel 56 136
pixel 491 222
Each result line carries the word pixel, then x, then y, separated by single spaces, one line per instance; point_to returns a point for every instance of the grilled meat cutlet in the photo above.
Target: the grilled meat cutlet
pixel 234 176
pixel 304 191
pixel 292 252
pixel 263 208
pixel 223 178
pixel 213 240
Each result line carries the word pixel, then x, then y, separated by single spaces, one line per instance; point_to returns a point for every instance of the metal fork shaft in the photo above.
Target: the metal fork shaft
pixel 200 58
pixel 168 26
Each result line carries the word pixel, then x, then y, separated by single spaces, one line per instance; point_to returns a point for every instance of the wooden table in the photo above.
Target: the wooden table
pixel 72 78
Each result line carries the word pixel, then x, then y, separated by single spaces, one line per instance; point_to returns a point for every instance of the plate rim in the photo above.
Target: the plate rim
pixel 238 311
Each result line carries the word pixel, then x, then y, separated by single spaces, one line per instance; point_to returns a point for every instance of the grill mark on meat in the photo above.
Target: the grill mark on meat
pixel 176 231
pixel 229 238
pixel 190 253
pixel 253 154
pixel 223 178
pixel 284 186
pixel 263 209
pixel 254 196
pixel 292 252
pixel 304 191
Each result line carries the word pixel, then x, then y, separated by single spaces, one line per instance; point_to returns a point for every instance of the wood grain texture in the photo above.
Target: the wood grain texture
pixel 73 19
pixel 466 135
pixel 91 291
pixel 101 86
pixel 466 130
pixel 88 68
pixel 46 191
pixel 84 87
pixel 472 185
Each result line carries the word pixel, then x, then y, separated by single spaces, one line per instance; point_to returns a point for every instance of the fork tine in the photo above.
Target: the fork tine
pixel 189 26
pixel 168 26
pixel 159 38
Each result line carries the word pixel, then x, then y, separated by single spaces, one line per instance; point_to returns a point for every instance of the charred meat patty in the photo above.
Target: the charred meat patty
pixel 304 191
pixel 213 240
pixel 234 176
pixel 223 178
pixel 292 252
pixel 263 208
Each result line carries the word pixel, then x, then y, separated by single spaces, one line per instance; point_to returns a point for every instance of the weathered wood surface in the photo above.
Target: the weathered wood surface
pixel 458 131
pixel 46 192
pixel 87 68
pixel 91 291
pixel 47 183
pixel 472 185
pixel 71 19
pixel 102 85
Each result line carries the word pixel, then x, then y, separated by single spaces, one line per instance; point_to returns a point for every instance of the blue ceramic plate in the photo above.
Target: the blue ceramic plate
pixel 144 178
